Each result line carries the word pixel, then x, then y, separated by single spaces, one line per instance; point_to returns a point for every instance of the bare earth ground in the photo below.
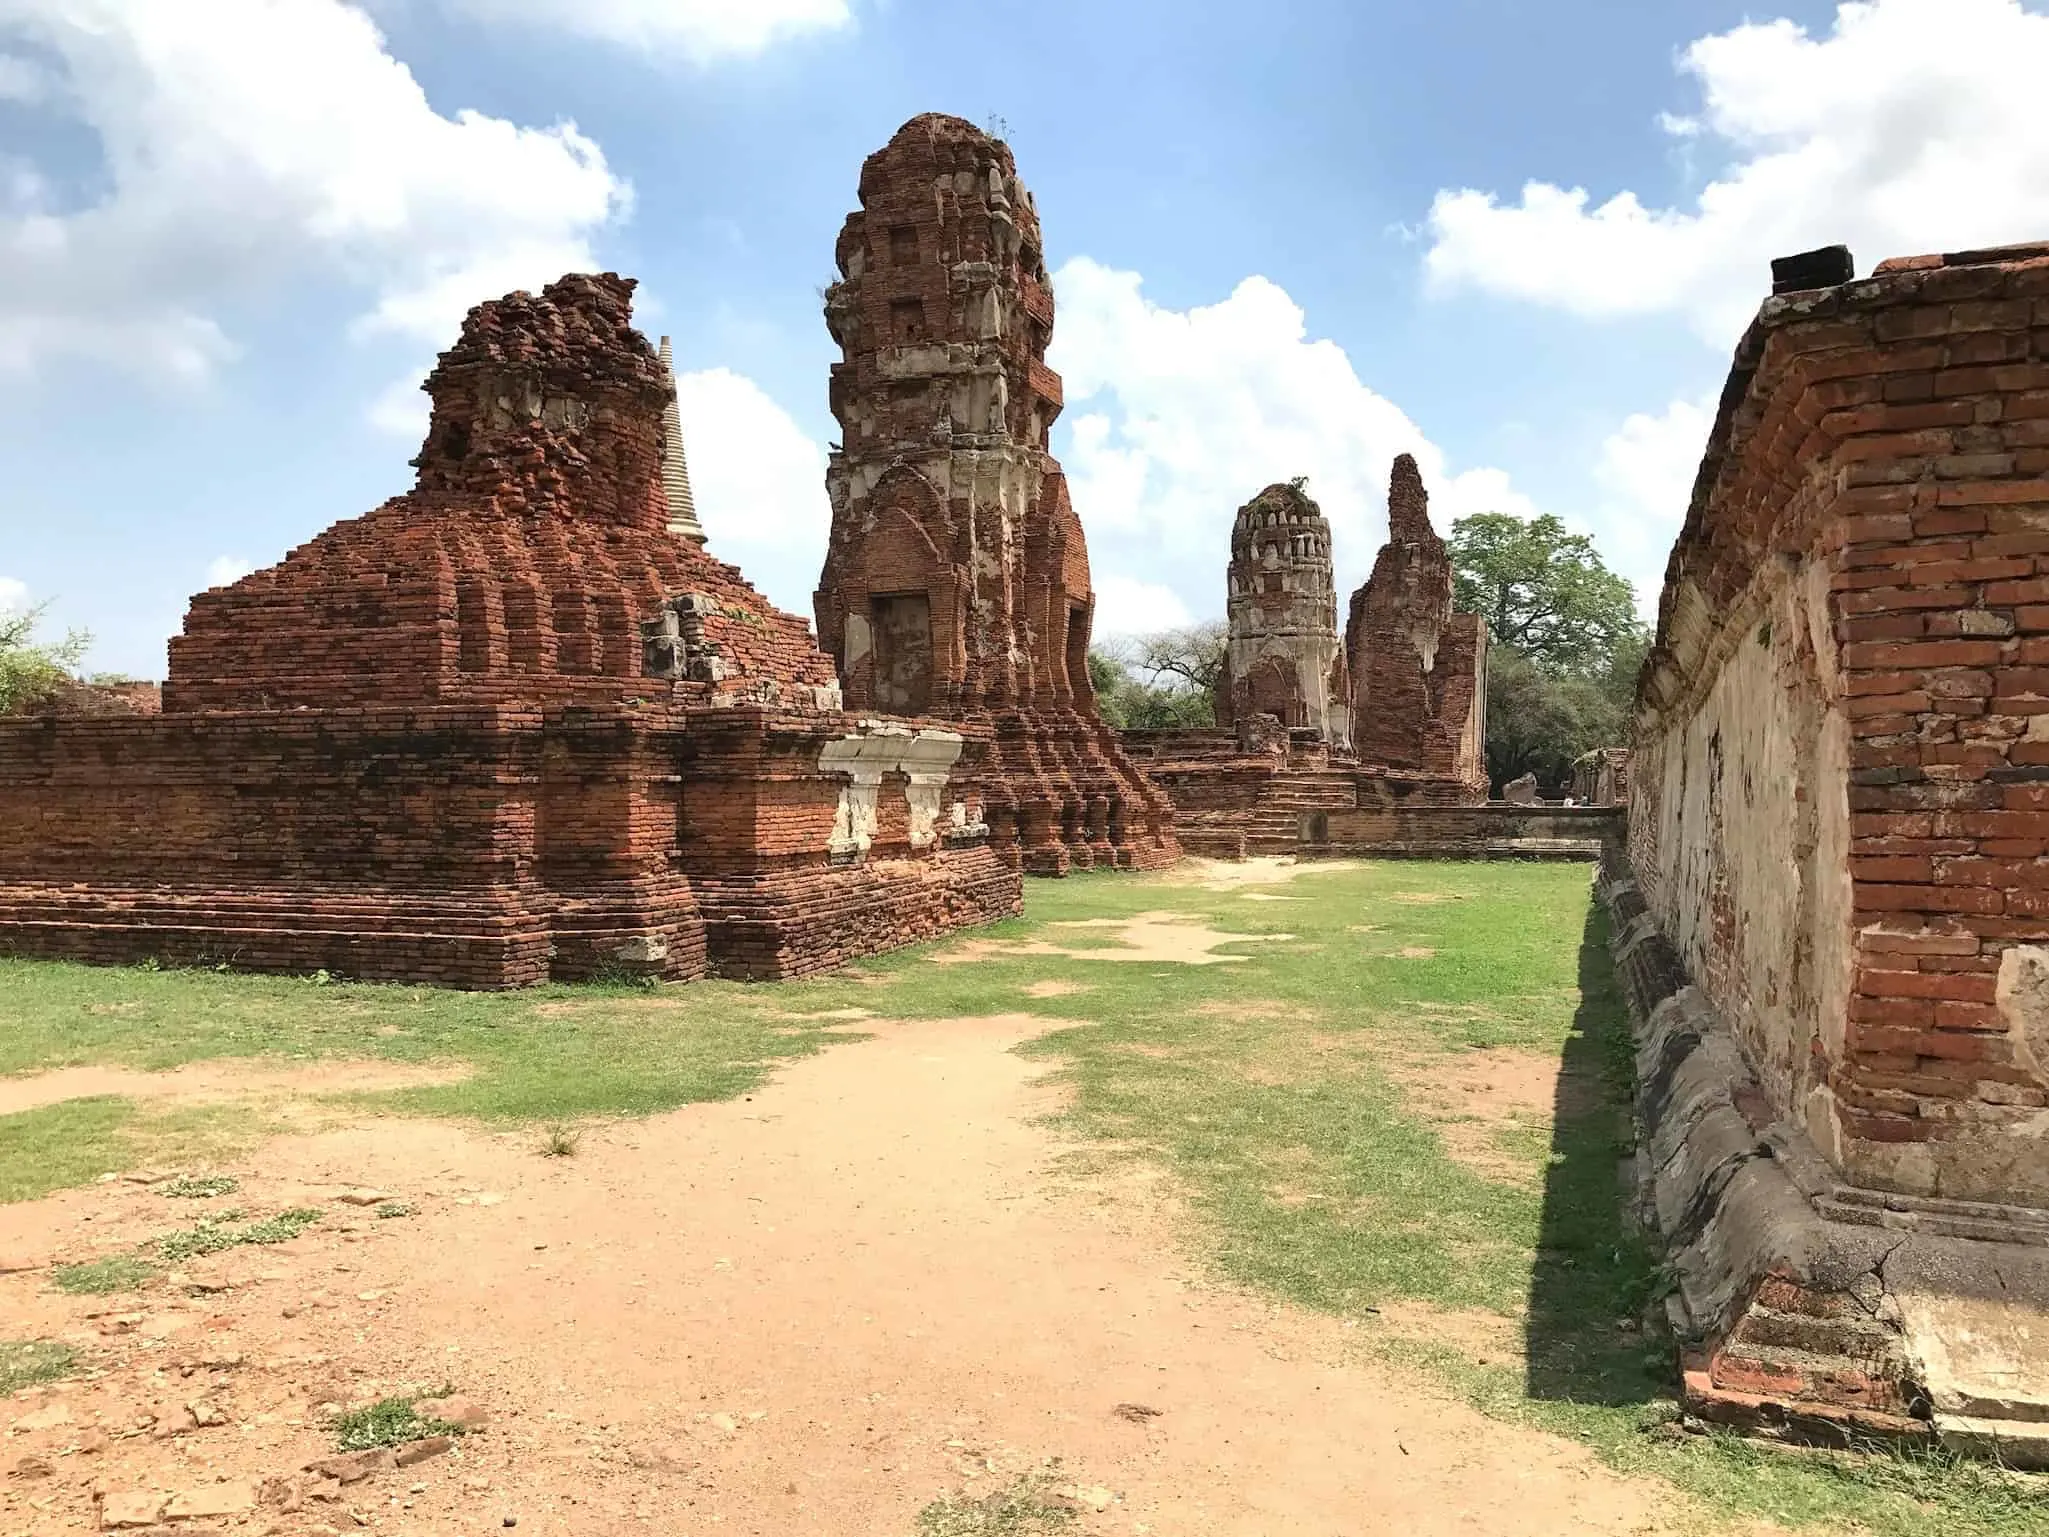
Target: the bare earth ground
pixel 813 1310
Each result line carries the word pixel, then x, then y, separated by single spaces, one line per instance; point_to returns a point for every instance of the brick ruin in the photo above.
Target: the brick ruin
pixel 956 581
pixel 1601 777
pixel 514 724
pixel 1284 658
pixel 1419 695
pixel 1832 919
pixel 1356 748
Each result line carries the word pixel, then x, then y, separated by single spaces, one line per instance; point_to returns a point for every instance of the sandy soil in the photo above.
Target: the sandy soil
pixel 222 1082
pixel 1178 938
pixel 808 1311
pixel 1469 1094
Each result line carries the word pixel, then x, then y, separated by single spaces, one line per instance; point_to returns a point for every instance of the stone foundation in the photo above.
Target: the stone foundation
pixel 479 847
pixel 1808 1308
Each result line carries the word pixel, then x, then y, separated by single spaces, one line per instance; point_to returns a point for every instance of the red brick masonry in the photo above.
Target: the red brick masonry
pixel 956 583
pixel 503 728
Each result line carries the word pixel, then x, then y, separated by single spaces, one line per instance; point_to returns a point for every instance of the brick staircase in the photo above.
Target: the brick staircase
pixel 1275 826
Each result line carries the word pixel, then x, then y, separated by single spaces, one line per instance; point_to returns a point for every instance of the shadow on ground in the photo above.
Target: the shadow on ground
pixel 1595 1270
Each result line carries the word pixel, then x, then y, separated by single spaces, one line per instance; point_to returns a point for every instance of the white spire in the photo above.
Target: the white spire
pixel 675 470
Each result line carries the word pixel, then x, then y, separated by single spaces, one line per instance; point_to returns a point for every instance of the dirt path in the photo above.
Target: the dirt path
pixel 810 1311
pixel 220 1082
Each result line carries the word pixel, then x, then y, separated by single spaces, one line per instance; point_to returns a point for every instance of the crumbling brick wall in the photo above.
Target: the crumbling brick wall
pixel 1284 657
pixel 1840 800
pixel 1418 668
pixel 956 580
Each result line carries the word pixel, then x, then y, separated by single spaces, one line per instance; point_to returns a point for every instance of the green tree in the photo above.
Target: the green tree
pixel 30 669
pixel 1163 681
pixel 1543 592
pixel 1566 643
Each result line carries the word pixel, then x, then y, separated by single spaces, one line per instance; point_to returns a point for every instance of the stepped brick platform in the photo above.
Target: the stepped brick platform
pixel 516 724
pixel 1231 803
pixel 1831 921
pixel 956 582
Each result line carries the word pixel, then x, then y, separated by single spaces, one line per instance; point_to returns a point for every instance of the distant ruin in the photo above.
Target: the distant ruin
pixel 1284 658
pixel 956 583
pixel 1419 694
pixel 515 724
pixel 1375 746
pixel 1832 918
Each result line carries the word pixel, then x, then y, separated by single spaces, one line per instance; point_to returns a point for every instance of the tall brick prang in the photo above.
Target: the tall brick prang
pixel 956 581
pixel 1419 695
pixel 1284 656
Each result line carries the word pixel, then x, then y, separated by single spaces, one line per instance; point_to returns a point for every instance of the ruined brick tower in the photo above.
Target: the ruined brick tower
pixel 1284 658
pixel 1419 699
pixel 956 582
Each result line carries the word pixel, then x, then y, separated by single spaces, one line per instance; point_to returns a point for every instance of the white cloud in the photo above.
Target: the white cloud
pixel 1181 416
pixel 758 481
pixel 1910 126
pixel 249 143
pixel 1127 606
pixel 701 31
pixel 1646 471
pixel 223 569
pixel 13 595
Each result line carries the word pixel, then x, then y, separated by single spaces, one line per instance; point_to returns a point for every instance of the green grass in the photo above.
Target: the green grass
pixel 388 1422
pixel 92 1278
pixel 548 1055
pixel 1024 1507
pixel 228 1231
pixel 199 1187
pixel 24 1363
pixel 1280 1092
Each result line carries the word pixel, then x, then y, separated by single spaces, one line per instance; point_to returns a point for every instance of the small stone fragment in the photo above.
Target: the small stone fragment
pixel 205 1414
pixel 212 1500
pixel 129 1508
pixel 31 1468
pixel 414 1452
pixel 352 1467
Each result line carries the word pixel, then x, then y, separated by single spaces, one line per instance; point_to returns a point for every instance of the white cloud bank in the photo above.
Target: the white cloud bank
pixel 699 31
pixel 1179 417
pixel 252 143
pixel 1910 126
pixel 758 481
pixel 13 596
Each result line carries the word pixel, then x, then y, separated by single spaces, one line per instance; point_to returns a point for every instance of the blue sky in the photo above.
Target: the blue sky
pixel 1286 239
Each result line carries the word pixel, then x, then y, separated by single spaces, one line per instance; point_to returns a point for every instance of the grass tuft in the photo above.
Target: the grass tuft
pixel 24 1363
pixel 390 1209
pixel 199 1187
pixel 388 1422
pixel 228 1231
pixel 96 1278
pixel 561 1141
pixel 1024 1507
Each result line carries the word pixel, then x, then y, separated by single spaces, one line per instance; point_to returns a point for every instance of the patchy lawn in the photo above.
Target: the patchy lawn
pixel 1394 1093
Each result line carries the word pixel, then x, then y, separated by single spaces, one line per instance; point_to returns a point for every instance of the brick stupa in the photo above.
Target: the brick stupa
pixel 1284 657
pixel 515 724
pixel 956 582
